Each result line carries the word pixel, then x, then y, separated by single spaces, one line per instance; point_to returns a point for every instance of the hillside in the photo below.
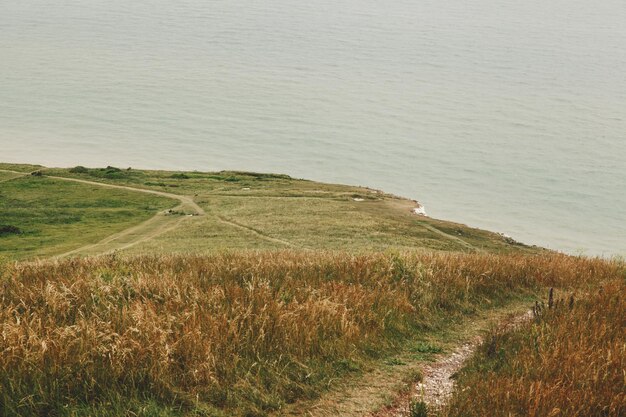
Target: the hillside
pixel 156 293
pixel 250 334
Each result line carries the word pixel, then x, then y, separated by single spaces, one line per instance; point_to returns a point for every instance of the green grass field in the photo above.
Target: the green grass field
pixel 243 211
pixel 55 216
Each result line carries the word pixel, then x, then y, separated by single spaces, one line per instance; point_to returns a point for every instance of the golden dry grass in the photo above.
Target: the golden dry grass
pixel 570 361
pixel 236 333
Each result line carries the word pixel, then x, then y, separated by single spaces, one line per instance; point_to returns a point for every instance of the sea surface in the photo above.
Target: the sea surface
pixel 503 114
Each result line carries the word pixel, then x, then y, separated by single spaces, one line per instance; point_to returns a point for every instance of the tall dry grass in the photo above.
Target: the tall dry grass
pixel 243 333
pixel 570 361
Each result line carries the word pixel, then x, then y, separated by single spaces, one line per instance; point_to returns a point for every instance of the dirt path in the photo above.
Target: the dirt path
pixel 187 203
pixel 437 382
pixel 255 232
pixel 450 237
pixel 17 175
pixel 157 225
pixel 151 228
pixel 386 389
pixel 162 222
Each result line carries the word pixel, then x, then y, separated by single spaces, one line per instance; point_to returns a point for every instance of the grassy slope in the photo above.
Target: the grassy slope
pixel 569 361
pixel 236 334
pixel 55 216
pixel 6 176
pixel 264 211
pixel 239 334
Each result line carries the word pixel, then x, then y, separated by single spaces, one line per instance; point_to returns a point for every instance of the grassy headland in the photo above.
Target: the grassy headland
pixel 243 211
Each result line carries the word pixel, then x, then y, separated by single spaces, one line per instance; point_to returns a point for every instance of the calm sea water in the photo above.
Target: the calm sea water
pixel 504 114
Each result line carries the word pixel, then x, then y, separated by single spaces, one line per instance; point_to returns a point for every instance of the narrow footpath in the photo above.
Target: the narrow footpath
pixel 437 383
pixel 387 388
pixel 160 223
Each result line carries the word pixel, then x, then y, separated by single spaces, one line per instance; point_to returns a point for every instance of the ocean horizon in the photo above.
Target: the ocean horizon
pixel 501 115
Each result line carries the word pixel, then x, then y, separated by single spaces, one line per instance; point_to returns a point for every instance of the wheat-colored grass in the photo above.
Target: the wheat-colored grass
pixel 570 361
pixel 240 334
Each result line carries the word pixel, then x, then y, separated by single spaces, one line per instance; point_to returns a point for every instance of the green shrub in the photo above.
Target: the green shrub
pixel 9 230
pixel 180 176
pixel 79 169
pixel 418 409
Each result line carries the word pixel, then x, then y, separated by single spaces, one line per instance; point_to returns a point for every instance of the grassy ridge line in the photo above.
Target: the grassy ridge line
pixel 569 361
pixel 20 168
pixel 236 334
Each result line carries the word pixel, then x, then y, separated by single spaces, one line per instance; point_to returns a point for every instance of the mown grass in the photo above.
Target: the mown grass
pixel 5 176
pixel 569 361
pixel 302 214
pixel 54 216
pixel 240 333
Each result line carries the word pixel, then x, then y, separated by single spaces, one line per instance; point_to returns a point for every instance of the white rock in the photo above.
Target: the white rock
pixel 419 210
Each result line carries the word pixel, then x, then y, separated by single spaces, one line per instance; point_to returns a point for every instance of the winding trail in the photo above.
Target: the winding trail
pixel 162 222
pixel 157 225
pixel 451 237
pixel 387 388
pixel 437 384
pixel 186 202
pixel 19 175
pixel 255 232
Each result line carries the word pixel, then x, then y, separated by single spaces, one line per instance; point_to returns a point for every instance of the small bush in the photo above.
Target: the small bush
pixel 79 170
pixel 180 176
pixel 9 230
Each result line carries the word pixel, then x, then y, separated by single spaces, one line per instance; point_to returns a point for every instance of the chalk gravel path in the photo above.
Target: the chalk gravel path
pixel 437 383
